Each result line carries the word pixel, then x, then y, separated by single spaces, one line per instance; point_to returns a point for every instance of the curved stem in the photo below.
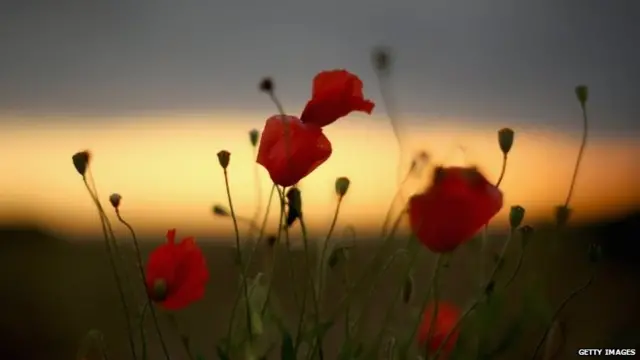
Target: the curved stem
pixel 322 265
pixel 314 295
pixel 479 299
pixel 111 254
pixel 239 252
pixel 502 171
pixel 143 336
pixel 585 129
pixel 516 270
pixel 273 261
pixel 256 179
pixel 397 296
pixel 389 104
pixel 149 302
pixel 369 269
pixel 561 307
pixel 387 217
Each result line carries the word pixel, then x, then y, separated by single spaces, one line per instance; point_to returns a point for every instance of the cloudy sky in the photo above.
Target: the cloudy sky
pixel 456 58
pixel 156 88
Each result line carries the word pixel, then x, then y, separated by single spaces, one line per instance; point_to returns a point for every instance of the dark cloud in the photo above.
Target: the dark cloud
pixel 484 58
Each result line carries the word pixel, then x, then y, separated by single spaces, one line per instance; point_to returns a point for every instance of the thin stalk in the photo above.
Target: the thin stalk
pixel 561 307
pixel 322 265
pixel 149 302
pixel 369 269
pixel 184 338
pixel 502 171
pixel 390 310
pixel 583 145
pixel 114 268
pixel 398 194
pixel 236 302
pixel 314 295
pixel 479 299
pixel 238 252
pixel 256 179
pixel 143 336
pixel 273 262
pixel 516 270
pixel 423 304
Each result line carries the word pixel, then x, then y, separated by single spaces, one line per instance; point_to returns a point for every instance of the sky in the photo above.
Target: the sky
pixel 156 88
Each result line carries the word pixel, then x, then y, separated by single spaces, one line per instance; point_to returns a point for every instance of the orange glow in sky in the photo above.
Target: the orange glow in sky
pixel 167 172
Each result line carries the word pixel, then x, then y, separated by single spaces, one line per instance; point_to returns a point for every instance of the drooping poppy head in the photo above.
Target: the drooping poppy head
pixel 291 150
pixel 446 319
pixel 176 274
pixel 452 210
pixel 335 94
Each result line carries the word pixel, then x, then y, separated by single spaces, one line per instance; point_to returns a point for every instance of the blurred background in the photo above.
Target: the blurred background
pixel 154 89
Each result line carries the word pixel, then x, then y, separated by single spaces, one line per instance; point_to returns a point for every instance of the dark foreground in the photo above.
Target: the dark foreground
pixel 54 292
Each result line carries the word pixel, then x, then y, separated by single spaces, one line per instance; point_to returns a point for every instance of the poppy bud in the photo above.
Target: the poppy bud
pixel 505 139
pixel 342 186
pixel 526 232
pixel 562 215
pixel 381 59
pixel 407 290
pixel 81 161
pixel 266 85
pixel 223 158
pixel 295 205
pixel 516 215
pixel 159 291
pixel 595 252
pixel 115 199
pixel 582 93
pixel 254 136
pixel 220 210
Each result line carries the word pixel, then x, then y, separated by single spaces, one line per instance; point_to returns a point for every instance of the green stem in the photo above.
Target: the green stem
pixel 423 304
pixel 561 307
pixel 106 230
pixel 314 295
pixel 239 252
pixel 390 310
pixel 583 145
pixel 322 263
pixel 273 261
pixel 516 270
pixel 149 303
pixel 184 338
pixel 479 299
pixel 143 336
pixel 256 179
pixel 236 302
pixel 369 269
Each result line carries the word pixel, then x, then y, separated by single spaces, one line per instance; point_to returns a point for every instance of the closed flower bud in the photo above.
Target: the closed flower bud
pixel 595 252
pixel 407 290
pixel 266 85
pixel 516 215
pixel 295 206
pixel 81 161
pixel 254 136
pixel 562 215
pixel 220 210
pixel 582 93
pixel 115 199
pixel 342 186
pixel 223 158
pixel 505 140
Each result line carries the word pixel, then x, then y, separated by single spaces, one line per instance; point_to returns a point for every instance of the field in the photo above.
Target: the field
pixel 55 291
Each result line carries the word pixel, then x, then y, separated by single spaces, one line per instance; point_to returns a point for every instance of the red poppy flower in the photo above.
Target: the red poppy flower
pixel 291 155
pixel 446 319
pixel 452 210
pixel 176 274
pixel 335 94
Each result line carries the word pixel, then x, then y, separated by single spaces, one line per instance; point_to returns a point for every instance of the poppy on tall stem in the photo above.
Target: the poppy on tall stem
pixel 176 273
pixel 454 208
pixel 293 147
